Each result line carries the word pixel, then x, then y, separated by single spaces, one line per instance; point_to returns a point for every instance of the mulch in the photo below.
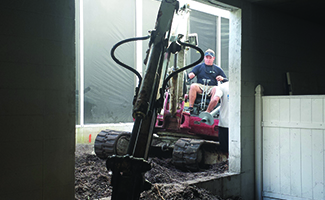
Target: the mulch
pixel 92 179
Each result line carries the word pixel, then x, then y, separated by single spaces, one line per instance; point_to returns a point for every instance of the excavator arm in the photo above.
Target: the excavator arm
pixel 128 170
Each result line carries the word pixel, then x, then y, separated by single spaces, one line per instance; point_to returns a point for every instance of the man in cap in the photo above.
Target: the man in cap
pixel 208 75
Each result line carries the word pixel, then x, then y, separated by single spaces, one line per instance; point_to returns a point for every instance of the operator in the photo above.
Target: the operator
pixel 212 74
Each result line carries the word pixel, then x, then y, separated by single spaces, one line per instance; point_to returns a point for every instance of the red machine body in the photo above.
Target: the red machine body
pixel 185 123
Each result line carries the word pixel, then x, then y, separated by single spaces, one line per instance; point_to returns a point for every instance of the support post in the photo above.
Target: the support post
pixel 258 142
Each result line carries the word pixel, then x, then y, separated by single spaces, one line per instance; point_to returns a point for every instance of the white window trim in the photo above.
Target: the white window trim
pixel 81 65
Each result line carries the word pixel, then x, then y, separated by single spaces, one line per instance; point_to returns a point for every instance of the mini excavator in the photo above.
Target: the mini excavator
pixel 159 110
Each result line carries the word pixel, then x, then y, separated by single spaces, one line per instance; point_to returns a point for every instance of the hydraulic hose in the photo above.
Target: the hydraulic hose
pixel 124 65
pixel 186 67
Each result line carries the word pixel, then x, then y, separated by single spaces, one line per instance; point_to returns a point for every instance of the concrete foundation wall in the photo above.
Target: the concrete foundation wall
pixel 88 133
pixel 37 85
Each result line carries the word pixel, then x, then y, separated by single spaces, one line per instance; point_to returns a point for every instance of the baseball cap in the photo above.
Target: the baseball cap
pixel 209 52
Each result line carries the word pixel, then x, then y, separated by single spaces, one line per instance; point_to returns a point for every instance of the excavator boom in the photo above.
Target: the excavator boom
pixel 128 170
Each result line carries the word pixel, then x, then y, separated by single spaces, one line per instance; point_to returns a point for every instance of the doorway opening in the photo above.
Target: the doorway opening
pixel 104 100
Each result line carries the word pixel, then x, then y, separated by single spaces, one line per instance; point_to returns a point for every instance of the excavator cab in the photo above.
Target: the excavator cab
pixel 201 102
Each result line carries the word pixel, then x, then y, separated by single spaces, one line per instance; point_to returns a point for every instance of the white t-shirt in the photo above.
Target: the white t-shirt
pixel 223 93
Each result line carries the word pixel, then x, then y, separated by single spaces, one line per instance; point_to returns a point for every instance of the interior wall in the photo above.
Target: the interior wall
pixel 37 85
pixel 277 43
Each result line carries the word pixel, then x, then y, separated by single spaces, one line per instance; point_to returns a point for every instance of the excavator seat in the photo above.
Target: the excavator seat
pixel 198 104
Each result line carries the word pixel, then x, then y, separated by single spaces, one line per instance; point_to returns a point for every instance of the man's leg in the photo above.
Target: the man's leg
pixel 213 101
pixel 194 89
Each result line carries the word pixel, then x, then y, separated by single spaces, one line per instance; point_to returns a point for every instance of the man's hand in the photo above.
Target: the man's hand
pixel 191 75
pixel 219 78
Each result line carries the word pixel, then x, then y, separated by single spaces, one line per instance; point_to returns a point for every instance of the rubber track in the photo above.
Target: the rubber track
pixel 186 154
pixel 105 142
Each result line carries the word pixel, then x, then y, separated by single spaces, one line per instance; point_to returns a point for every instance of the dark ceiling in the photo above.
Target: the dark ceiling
pixel 311 10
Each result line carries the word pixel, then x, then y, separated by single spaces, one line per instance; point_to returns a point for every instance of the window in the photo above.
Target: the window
pixel 108 89
pixel 212 26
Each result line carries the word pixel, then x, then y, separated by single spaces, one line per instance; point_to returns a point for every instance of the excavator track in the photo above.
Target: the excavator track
pixel 195 154
pixel 189 154
pixel 110 142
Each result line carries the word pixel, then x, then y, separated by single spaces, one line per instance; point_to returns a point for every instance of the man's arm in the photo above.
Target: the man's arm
pixel 195 70
pixel 222 76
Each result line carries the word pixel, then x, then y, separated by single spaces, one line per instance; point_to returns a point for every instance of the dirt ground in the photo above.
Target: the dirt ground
pixel 92 178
